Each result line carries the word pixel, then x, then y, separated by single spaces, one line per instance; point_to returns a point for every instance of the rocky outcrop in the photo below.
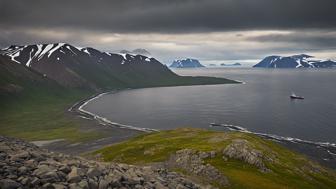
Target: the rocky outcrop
pixel 24 165
pixel 240 149
pixel 192 162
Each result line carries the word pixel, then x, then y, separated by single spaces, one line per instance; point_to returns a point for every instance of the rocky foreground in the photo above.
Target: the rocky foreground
pixel 24 165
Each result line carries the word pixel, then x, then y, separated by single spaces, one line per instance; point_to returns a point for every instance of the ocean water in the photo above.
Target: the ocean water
pixel 261 105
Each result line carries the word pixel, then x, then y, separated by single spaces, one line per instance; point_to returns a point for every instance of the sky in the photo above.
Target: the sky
pixel 212 31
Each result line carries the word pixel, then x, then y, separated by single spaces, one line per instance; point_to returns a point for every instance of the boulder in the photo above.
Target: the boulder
pixel 93 172
pixel 241 150
pixel 20 156
pixel 73 176
pixel 192 162
pixel 9 184
pixel 103 184
pixel 83 184
pixel 42 170
pixel 92 183
pixel 65 169
pixel 59 186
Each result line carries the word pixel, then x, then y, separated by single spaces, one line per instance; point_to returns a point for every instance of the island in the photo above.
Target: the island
pixel 294 61
pixel 235 64
pixel 186 63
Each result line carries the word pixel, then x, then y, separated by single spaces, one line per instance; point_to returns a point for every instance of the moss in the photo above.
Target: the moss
pixel 43 117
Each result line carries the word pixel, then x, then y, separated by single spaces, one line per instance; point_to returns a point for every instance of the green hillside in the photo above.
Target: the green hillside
pixel 245 160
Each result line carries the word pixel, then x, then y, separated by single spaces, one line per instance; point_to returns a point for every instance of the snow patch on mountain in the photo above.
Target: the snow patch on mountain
pixel 123 55
pixel 29 54
pixel 55 48
pixel 45 50
pixel 186 63
pixel 295 61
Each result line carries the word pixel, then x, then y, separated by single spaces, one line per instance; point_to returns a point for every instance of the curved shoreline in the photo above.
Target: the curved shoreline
pixel 78 109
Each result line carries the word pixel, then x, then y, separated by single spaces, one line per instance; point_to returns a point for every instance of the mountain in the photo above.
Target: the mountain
pixel 81 67
pixel 15 79
pixel 295 61
pixel 89 68
pixel 143 52
pixel 235 64
pixel 186 63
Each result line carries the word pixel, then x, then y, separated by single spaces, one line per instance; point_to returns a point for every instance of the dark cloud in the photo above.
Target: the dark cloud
pixel 210 30
pixel 313 40
pixel 168 16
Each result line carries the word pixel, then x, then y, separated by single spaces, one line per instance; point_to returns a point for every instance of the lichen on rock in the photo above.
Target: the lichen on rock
pixel 240 149
pixel 192 162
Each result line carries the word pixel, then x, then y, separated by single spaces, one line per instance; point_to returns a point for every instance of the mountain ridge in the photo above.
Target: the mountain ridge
pixel 294 61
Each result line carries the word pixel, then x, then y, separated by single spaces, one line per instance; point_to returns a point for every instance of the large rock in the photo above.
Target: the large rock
pixel 9 184
pixel 59 186
pixel 42 170
pixel 94 172
pixel 241 150
pixel 73 176
pixel 20 156
pixel 83 184
pixel 103 184
pixel 192 162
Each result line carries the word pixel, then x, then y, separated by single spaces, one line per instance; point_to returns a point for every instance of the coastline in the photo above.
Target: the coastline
pixel 78 109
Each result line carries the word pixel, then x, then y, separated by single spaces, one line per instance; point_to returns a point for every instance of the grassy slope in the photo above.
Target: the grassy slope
pixel 37 112
pixel 42 117
pixel 289 172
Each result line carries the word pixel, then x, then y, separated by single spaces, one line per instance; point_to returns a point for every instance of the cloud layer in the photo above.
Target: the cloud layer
pixel 211 30
pixel 169 16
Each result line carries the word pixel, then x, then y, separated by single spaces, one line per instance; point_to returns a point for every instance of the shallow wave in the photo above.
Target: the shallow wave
pixel 326 145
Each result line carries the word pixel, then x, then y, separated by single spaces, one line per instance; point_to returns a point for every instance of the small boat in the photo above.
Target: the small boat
pixel 294 96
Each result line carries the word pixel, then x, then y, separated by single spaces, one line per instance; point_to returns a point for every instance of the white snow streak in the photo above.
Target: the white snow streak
pixel 123 55
pixel 45 50
pixel 55 48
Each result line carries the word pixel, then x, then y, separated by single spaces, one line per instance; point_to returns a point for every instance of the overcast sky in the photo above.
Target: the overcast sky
pixel 213 31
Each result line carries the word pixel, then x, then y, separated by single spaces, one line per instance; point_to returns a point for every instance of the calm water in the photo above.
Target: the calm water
pixel 260 105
